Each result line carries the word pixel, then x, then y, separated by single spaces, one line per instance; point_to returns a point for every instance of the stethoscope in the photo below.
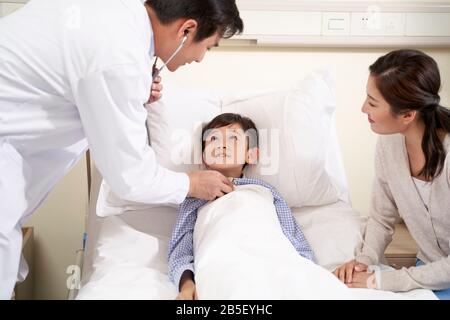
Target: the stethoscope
pixel 156 71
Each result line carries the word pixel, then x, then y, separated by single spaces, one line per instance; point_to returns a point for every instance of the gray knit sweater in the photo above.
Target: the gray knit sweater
pixel 395 196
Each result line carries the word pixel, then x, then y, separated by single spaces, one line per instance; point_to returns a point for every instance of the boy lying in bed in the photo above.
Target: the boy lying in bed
pixel 230 142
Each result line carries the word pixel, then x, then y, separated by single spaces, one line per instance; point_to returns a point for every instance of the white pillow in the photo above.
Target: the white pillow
pixel 294 129
pixel 175 124
pixel 307 169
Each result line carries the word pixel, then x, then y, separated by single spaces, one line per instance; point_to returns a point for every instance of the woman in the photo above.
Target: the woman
pixel 412 174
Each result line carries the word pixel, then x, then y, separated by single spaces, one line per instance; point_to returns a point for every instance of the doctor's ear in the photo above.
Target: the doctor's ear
pixel 252 156
pixel 188 28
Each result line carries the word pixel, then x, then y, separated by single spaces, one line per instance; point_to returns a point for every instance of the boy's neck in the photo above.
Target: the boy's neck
pixel 231 173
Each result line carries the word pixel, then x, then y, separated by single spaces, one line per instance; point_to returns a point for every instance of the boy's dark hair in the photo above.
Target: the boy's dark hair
pixel 226 119
pixel 212 16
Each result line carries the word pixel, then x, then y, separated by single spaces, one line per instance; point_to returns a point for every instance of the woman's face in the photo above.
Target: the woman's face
pixel 380 116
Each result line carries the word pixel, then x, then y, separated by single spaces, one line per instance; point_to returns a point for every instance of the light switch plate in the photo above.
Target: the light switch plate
pixel 336 23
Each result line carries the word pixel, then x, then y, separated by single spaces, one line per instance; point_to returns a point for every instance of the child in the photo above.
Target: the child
pixel 230 142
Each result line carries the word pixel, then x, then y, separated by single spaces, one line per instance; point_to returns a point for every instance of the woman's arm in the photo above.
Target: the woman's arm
pixel 379 228
pixel 383 216
pixel 433 276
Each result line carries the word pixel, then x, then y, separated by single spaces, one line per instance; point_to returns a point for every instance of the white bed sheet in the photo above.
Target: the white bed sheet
pixel 128 259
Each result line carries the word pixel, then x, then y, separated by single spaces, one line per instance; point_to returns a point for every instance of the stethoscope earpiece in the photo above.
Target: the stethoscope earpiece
pixel 186 33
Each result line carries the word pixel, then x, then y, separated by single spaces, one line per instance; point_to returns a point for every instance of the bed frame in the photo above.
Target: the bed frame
pixel 82 258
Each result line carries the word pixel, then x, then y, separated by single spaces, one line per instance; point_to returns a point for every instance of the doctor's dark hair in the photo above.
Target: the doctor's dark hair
pixel 409 80
pixel 212 16
pixel 227 119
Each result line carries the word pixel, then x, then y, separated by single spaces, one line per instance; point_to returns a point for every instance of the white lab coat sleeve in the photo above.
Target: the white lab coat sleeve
pixel 111 106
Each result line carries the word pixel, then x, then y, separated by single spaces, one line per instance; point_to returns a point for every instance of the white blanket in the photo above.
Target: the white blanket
pixel 242 253
pixel 132 264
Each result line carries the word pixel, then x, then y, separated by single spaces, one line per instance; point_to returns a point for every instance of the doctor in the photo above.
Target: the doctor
pixel 76 74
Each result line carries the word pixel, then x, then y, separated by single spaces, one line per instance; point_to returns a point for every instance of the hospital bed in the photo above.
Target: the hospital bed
pixel 126 251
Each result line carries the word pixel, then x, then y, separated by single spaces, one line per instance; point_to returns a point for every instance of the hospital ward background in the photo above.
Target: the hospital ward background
pixel 285 44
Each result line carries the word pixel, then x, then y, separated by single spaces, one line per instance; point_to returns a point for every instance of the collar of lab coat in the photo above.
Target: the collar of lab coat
pixel 143 20
pixel 152 43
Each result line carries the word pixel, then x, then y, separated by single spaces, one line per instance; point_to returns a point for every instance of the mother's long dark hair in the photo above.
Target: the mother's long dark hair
pixel 410 80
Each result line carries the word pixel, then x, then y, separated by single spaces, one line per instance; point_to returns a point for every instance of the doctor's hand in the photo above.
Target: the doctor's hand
pixel 156 89
pixel 346 272
pixel 208 185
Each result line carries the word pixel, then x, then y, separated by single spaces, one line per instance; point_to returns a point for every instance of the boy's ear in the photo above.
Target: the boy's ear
pixel 252 156
pixel 204 165
pixel 203 160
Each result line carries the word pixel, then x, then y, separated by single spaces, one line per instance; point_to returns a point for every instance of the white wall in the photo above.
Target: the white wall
pixel 266 68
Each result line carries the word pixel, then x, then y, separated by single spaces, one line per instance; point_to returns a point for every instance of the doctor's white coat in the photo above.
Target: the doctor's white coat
pixel 73 74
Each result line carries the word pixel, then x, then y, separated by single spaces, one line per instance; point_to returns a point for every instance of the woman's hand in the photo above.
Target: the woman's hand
pixel 346 271
pixel 363 279
pixel 156 89
pixel 188 291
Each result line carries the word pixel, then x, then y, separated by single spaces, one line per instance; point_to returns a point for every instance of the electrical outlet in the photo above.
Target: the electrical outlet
pixel 377 24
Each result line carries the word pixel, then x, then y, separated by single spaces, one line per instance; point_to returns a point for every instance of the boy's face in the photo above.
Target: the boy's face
pixel 227 148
